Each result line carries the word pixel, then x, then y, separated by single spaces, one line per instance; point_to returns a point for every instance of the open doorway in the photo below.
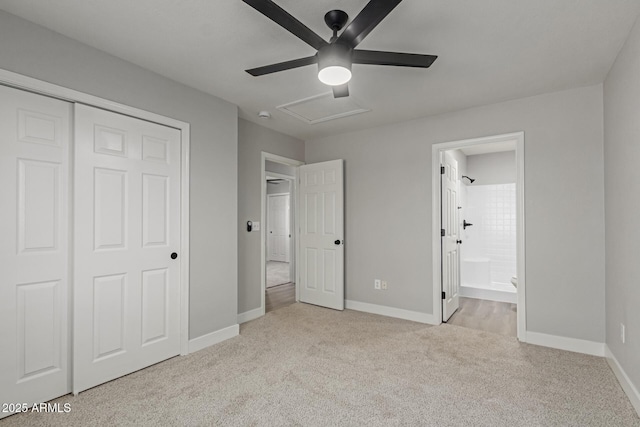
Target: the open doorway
pixel 316 201
pixel 280 266
pixel 278 234
pixel 279 227
pixel 478 196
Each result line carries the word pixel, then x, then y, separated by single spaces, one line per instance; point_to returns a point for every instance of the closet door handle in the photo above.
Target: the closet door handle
pixel 174 255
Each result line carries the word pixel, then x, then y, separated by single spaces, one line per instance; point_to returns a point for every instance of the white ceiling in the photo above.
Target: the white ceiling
pixel 489 50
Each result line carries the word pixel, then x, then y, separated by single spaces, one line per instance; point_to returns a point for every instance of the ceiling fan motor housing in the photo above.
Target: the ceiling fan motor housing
pixel 335 54
pixel 334 63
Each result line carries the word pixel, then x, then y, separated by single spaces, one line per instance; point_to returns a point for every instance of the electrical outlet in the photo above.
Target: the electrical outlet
pixel 376 284
pixel 622 333
pixel 384 285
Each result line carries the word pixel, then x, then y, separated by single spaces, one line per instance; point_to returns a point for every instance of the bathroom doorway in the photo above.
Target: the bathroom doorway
pixel 479 233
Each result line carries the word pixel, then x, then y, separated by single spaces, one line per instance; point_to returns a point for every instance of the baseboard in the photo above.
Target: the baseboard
pixel 624 380
pixel 563 343
pixel 398 313
pixel 489 294
pixel 213 338
pixel 250 315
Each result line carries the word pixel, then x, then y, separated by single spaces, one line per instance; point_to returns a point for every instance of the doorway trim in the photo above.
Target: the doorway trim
pixel 19 81
pixel 293 201
pixel 436 150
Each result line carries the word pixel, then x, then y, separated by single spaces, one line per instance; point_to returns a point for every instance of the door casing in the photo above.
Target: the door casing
pixel 436 150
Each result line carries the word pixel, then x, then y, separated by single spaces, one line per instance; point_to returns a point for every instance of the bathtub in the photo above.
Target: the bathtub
pixel 476 272
pixel 475 282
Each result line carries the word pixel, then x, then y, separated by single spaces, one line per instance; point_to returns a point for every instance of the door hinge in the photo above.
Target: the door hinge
pixel 441 170
pixel 442 233
pixel 444 296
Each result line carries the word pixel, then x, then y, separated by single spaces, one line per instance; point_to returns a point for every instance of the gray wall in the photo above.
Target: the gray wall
pixel 34 51
pixel 253 139
pixel 622 204
pixel 388 206
pixel 492 168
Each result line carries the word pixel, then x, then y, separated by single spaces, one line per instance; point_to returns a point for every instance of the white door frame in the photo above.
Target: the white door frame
pixel 520 219
pixel 293 191
pixel 30 84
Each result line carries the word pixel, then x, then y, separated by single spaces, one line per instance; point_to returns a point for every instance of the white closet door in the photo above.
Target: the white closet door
pixel 34 165
pixel 278 237
pixel 127 225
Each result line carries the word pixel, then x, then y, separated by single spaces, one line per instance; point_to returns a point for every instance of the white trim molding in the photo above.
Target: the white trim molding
pixel 250 315
pixel 625 382
pixel 398 313
pixel 213 338
pixel 564 343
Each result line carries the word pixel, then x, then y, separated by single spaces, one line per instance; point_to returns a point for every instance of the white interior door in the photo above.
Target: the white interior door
pixel 321 213
pixel 127 225
pixel 34 217
pixel 451 226
pixel 278 236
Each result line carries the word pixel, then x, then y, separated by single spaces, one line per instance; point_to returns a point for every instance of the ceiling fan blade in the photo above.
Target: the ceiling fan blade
pixel 398 59
pixel 374 12
pixel 288 22
pixel 281 66
pixel 341 91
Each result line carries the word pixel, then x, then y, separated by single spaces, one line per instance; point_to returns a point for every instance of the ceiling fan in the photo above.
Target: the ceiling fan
pixel 334 58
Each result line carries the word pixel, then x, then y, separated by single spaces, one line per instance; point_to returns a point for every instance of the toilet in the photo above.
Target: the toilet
pixel 514 281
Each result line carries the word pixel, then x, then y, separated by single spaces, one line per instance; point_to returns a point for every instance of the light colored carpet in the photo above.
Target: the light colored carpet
pixel 277 273
pixel 309 366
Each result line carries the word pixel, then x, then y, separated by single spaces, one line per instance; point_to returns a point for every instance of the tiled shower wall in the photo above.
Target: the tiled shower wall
pixel 492 211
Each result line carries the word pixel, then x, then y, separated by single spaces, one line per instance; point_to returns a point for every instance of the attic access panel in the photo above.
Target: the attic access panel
pixel 323 107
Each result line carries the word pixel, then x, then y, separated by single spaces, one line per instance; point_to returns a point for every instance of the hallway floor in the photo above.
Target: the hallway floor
pixel 280 296
pixel 485 315
pixel 277 273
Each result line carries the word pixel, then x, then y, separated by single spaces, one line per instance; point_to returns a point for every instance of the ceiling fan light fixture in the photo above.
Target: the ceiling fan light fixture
pixel 334 75
pixel 334 58
pixel 334 64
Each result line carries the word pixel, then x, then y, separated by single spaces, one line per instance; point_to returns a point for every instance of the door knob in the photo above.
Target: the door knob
pixel 174 255
pixel 458 241
pixel 337 242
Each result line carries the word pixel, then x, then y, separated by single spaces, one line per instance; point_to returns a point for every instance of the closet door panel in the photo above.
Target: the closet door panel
pixel 127 225
pixel 34 216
